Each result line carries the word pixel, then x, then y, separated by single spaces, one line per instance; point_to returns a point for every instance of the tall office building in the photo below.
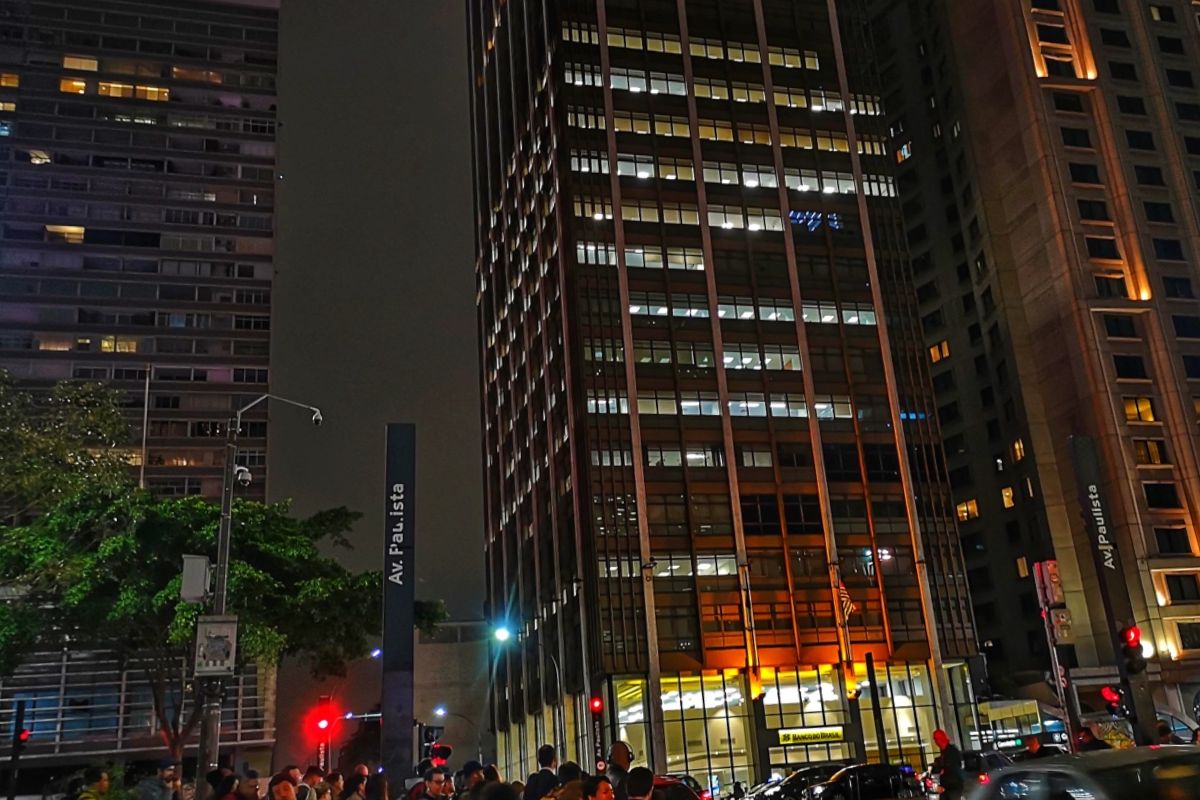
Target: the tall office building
pixel 1050 155
pixel 138 143
pixel 714 480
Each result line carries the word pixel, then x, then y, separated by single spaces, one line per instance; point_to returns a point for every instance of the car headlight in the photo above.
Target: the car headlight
pixel 817 791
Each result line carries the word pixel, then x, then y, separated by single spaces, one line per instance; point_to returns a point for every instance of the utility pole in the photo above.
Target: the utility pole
pixel 20 736
pixel 1114 590
pixel 213 688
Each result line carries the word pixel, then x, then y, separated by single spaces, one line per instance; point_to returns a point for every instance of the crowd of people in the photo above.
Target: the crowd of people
pixel 290 783
pixel 552 781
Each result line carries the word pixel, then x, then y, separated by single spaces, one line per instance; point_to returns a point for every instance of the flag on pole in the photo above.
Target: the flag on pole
pixel 848 606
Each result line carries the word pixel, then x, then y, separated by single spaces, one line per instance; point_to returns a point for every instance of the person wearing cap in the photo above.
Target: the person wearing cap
pixel 472 777
pixel 162 785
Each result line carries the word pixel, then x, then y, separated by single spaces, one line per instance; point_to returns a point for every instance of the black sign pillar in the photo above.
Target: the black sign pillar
pixel 1114 591
pixel 399 582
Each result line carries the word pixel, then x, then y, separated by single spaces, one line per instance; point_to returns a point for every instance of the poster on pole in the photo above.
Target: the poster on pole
pixel 399 582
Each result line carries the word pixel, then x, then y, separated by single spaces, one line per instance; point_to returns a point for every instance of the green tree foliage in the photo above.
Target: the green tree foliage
pixel 55 443
pixel 99 565
pixel 103 567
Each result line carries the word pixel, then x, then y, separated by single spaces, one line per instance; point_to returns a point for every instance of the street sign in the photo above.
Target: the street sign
pixel 822 735
pixel 216 646
pixel 1060 624
pixel 196 583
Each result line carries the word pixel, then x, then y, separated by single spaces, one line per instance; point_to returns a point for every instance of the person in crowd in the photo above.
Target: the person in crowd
pixel 518 787
pixel 491 774
pixel 598 787
pixel 569 772
pixel 283 789
pixel 312 776
pixel 620 758
pixel 472 778
pixel 1087 742
pixel 337 782
pixel 448 785
pixel 376 788
pixel 1034 749
pixel 95 784
pixel 435 780
pixel 226 788
pixel 950 775
pixel 542 782
pixel 571 790
pixel 1164 734
pixel 362 769
pixel 323 791
pixel 498 790
pixel 640 784
pixel 249 787
pixel 355 787
pixel 162 785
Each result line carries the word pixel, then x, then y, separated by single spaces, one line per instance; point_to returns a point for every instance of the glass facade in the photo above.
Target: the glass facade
pixel 710 443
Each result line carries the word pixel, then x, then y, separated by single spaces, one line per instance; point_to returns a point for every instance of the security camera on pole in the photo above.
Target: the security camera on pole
pixel 216 634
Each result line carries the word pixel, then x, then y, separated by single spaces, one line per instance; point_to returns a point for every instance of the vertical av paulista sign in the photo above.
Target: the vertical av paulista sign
pixel 398 597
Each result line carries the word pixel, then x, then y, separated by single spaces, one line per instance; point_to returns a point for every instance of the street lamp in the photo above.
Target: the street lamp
pixel 442 713
pixel 210 730
pixel 502 634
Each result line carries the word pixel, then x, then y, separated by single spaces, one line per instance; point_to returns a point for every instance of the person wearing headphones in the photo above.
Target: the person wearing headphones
pixel 620 757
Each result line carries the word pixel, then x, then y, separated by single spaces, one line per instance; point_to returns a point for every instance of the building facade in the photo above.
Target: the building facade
pixel 714 479
pixel 137 139
pixel 1049 157
pixel 137 146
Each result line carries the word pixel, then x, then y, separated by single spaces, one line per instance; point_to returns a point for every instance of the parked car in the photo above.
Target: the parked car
pixel 1165 772
pixel 687 780
pixel 793 786
pixel 976 766
pixel 868 782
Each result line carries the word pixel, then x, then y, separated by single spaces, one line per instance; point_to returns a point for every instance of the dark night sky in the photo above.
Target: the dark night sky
pixel 374 308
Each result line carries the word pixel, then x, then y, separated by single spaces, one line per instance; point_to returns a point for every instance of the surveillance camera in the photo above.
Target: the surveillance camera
pixel 317 418
pixel 243 476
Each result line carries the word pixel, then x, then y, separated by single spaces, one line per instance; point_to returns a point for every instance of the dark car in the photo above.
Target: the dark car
pixel 976 766
pixel 1166 772
pixel 793 786
pixel 868 782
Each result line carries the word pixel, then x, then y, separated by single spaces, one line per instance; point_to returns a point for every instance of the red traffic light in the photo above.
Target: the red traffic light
pixel 23 736
pixel 322 724
pixel 597 705
pixel 1132 636
pixel 1110 694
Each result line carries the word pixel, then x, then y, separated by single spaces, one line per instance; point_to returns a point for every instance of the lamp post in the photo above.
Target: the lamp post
pixel 502 634
pixel 442 713
pixel 214 688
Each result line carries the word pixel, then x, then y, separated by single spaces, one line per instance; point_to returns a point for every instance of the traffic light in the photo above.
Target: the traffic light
pixel 323 715
pixel 1131 641
pixel 596 705
pixel 1114 700
pixel 20 734
pixel 439 754
pixel 429 739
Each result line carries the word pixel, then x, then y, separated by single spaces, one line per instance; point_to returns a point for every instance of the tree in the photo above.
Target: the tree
pixel 53 444
pixel 104 568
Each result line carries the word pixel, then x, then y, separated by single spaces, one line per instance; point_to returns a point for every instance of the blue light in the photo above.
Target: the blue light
pixel 376 653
